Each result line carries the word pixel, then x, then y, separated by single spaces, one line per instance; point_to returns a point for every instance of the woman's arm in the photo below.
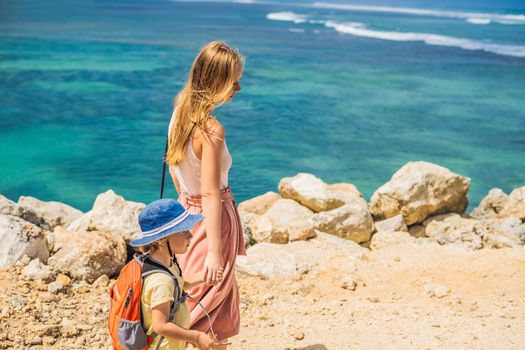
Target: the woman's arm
pixel 163 327
pixel 174 178
pixel 212 146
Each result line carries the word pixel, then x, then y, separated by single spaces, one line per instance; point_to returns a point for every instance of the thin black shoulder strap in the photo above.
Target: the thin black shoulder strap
pixel 163 169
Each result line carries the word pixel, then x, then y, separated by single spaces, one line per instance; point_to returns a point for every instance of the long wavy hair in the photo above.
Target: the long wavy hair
pixel 211 78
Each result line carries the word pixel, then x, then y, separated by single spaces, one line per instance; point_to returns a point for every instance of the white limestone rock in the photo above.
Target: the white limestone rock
pixel 351 221
pixel 287 261
pixel 20 238
pixel 497 204
pixel 8 207
pixel 515 205
pixel 315 194
pixel 37 271
pixel 284 221
pixel 454 229
pixel 88 255
pixel 385 239
pixel 419 190
pixel 395 223
pixel 260 204
pixel 417 231
pixel 491 205
pixel 47 215
pixel 501 233
pixel 111 213
pixel 250 212
pixel 246 219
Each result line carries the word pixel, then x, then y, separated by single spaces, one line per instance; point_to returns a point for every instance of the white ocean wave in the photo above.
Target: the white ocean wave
pixel 471 17
pixel 287 16
pixel 359 29
pixel 479 20
pixel 294 30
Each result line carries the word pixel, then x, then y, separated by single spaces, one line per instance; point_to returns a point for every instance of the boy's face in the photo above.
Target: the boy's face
pixel 180 242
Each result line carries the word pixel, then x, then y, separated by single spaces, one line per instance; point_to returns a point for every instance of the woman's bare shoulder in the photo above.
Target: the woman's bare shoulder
pixel 214 131
pixel 215 128
pixel 213 136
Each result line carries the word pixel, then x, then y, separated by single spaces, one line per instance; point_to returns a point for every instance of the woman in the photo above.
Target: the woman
pixel 199 163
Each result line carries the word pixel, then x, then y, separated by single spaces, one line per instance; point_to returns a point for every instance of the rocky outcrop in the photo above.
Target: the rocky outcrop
pixel 285 221
pixel 453 229
pixel 384 239
pixel 136 207
pixel 250 212
pixel 246 223
pixel 291 260
pixel 47 215
pixel 395 223
pixel 111 213
pixel 497 204
pixel 37 271
pixel 8 207
pixel 515 204
pixel 20 238
pixel 417 231
pixel 491 205
pixel 260 204
pixel 315 194
pixel 419 190
pixel 474 233
pixel 310 191
pixel 351 221
pixel 501 233
pixel 88 255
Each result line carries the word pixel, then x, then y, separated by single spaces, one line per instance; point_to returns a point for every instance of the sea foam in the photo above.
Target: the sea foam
pixel 360 29
pixel 287 16
pixel 471 17
pixel 479 20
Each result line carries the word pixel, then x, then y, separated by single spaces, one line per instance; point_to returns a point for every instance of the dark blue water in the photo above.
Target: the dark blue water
pixel 86 90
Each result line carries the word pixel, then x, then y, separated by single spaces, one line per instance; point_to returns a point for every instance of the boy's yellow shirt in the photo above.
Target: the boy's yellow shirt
pixel 157 289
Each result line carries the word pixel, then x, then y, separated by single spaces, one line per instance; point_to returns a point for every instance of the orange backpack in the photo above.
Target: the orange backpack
pixel 125 316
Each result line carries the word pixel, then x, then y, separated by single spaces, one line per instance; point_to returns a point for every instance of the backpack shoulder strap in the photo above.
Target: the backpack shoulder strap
pixel 149 267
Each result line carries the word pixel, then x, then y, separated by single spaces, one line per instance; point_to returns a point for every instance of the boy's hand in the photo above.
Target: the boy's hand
pixel 205 341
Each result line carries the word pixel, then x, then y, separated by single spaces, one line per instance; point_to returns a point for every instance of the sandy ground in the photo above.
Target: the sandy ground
pixel 480 304
pixel 390 307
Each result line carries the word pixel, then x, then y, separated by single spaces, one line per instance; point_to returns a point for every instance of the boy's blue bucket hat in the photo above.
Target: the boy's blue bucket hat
pixel 162 218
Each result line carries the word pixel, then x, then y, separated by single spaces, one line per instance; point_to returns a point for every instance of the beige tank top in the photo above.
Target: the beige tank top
pixel 188 172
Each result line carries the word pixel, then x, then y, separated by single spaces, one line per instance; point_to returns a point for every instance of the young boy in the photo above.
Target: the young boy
pixel 165 232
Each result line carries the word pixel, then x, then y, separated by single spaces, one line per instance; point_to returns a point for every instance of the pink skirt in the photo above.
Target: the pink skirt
pixel 222 300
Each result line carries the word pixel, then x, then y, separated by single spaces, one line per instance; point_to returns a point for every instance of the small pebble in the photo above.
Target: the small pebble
pixel 65 280
pixel 55 287
pixel 298 335
pixel 34 341
pixel 348 283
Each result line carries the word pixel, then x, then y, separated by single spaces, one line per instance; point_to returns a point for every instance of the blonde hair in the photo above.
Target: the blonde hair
pixel 211 77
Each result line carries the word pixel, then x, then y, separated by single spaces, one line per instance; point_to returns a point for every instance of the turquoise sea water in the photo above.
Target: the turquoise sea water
pixel 86 90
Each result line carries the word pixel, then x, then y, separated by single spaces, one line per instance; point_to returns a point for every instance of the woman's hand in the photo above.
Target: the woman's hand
pixel 213 267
